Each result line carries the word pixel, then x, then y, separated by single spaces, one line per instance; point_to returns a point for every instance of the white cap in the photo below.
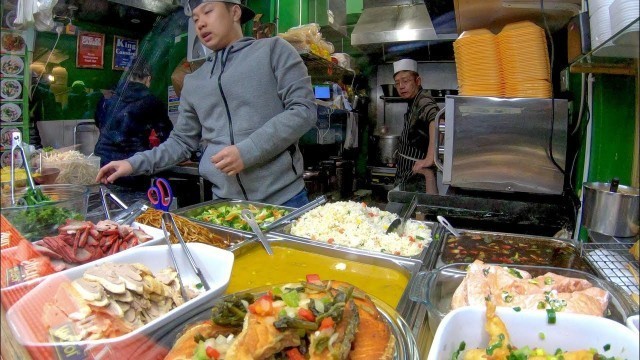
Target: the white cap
pixel 405 65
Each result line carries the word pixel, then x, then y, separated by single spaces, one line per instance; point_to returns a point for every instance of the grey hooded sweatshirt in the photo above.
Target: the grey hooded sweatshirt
pixel 257 95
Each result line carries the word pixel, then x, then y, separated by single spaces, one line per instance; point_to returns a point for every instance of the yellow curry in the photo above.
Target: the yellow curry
pixel 256 268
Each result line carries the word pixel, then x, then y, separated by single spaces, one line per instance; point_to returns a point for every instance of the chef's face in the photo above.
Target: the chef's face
pixel 407 83
pixel 215 24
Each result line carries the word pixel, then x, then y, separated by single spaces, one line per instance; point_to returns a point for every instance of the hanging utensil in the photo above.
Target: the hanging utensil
pixel 446 224
pixel 167 217
pixel 399 224
pixel 248 217
pixel 183 291
pixel 16 143
pixel 297 212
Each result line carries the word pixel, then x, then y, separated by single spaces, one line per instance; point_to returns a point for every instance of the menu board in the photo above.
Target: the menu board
pixel 90 50
pixel 13 47
pixel 124 50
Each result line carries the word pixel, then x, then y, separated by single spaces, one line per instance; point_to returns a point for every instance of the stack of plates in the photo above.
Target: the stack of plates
pixel 621 14
pixel 599 21
pixel 478 64
pixel 524 60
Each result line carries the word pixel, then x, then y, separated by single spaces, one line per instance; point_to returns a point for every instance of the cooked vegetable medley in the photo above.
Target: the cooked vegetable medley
pixel 229 215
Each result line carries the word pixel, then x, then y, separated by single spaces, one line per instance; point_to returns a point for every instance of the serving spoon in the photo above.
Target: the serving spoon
pixel 247 216
pixel 398 224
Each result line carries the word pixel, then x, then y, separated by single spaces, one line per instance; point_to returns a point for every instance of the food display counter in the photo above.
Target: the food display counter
pixel 410 294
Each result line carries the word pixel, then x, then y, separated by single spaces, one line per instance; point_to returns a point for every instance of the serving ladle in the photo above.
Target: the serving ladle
pixel 247 216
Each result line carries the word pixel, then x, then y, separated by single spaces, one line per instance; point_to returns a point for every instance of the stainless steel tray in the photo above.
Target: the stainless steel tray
pixel 285 231
pixel 409 267
pixel 581 262
pixel 192 210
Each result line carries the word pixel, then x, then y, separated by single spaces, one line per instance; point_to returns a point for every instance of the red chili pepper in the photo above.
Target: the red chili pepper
pixel 312 278
pixel 294 354
pixel 212 353
pixel 306 314
pixel 326 323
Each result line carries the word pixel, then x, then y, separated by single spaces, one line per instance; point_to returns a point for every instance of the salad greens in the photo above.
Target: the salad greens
pixel 38 220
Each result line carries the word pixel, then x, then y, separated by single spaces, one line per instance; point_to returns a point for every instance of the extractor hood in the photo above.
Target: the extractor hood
pixel 391 21
pixel 161 7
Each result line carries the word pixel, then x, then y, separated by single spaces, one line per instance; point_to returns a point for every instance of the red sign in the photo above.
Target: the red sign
pixel 90 50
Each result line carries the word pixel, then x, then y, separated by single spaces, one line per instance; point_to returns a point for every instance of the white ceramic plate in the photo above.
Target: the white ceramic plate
pixel 570 332
pixel 12 42
pixel 10 112
pixel 10 89
pixel 25 316
pixel 11 65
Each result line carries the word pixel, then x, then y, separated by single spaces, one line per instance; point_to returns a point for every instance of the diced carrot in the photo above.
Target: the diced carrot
pixel 326 323
pixel 294 354
pixel 213 353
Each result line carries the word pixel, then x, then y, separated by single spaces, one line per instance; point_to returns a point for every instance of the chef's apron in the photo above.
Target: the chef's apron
pixel 415 136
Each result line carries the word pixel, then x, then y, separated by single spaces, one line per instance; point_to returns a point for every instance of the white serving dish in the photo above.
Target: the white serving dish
pixel 633 323
pixel 11 294
pixel 571 332
pixel 215 263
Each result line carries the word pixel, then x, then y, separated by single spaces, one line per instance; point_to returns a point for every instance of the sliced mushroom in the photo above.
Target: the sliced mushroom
pixel 89 290
pixel 107 277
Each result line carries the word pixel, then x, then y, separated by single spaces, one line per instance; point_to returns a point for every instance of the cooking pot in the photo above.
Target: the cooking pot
pixel 611 209
pixel 387 146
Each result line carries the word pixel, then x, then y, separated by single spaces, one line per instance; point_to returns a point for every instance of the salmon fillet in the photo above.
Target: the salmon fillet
pixel 260 340
pixel 518 289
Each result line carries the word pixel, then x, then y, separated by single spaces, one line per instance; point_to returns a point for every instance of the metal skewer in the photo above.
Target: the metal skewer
pixel 195 268
pixel 183 291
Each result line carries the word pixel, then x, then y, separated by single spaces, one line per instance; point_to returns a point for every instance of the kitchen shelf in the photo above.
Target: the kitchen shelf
pixel 323 69
pixel 617 55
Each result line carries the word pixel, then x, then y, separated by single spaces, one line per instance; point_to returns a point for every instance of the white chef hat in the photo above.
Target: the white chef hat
pixel 405 65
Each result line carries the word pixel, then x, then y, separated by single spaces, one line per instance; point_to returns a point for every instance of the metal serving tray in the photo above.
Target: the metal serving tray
pixel 409 267
pixel 191 211
pixel 424 256
pixel 566 255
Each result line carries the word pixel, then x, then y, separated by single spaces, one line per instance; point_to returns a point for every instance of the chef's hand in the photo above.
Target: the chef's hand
pixel 228 160
pixel 421 164
pixel 114 170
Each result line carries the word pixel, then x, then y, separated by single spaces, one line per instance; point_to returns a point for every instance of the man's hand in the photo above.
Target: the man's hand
pixel 421 164
pixel 114 170
pixel 228 160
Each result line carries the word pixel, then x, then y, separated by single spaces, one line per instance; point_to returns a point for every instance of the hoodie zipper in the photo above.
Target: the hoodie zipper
pixel 223 62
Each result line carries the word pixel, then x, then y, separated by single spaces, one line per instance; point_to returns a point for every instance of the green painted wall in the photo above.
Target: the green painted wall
pixel 354 6
pixel 290 11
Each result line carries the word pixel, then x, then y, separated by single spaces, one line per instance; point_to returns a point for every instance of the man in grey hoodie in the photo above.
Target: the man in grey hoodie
pixel 249 102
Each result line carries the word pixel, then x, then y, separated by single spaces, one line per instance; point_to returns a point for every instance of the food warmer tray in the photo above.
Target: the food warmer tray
pixel 284 231
pixel 611 258
pixel 191 211
pixel 565 254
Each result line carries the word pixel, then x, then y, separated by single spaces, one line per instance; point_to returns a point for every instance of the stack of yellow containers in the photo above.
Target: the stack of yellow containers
pixel 524 60
pixel 478 64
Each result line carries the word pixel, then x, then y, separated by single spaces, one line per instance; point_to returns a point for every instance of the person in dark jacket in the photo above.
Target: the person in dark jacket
pixel 127 119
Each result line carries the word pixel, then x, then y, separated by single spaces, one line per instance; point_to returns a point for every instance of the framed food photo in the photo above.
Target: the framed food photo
pixel 10 112
pixel 124 50
pixel 13 42
pixel 11 65
pixel 10 89
pixel 90 50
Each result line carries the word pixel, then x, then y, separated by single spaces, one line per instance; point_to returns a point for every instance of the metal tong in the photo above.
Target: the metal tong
pixel 16 143
pixel 297 212
pixel 168 218
pixel 444 222
pixel 130 213
pixel 399 224
pixel 247 216
pixel 106 193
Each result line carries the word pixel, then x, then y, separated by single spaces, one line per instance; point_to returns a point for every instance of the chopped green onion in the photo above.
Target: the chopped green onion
pixel 534 282
pixel 498 344
pixel 485 272
pixel 548 280
pixel 541 336
pixel 607 347
pixel 551 316
pixel 419 237
pixel 517 309
pixel 277 291
pixel 456 353
pixel 541 305
pixel 199 286
pixel 291 298
pixel 515 273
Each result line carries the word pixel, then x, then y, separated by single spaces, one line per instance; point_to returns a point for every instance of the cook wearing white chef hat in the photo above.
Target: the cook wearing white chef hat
pixel 416 146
